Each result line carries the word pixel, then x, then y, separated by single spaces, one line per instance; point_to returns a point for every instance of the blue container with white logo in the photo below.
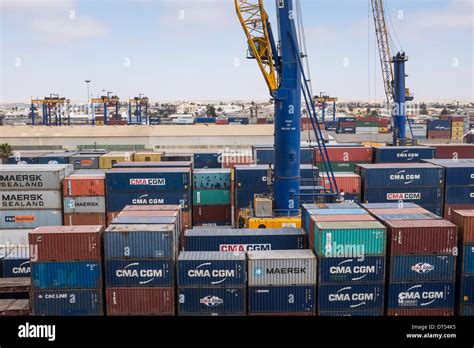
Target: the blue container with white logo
pixel 207 160
pixel 251 177
pixel 139 273
pixel 403 154
pixel 116 201
pixel 14 267
pixel 439 125
pixel 400 175
pixel 422 268
pixel 282 299
pixel 66 275
pixel 207 269
pixel 419 195
pixel 229 240
pixel 459 195
pixel 458 172
pixel 347 297
pixel 56 158
pixel 421 295
pixel 337 270
pixel 211 301
pixel 67 303
pixel 467 290
pixel 352 198
pixel 376 313
pixel 205 120
pixel 467 266
pixel 148 180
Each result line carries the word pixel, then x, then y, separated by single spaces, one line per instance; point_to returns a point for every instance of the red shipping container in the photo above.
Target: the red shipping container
pixel 453 151
pixel 441 312
pixel 464 219
pixel 346 182
pixel 439 134
pixel 347 124
pixel 152 208
pixel 398 211
pixel 450 208
pixel 347 154
pixel 422 236
pixel 84 185
pixel 261 121
pixel 209 214
pixel 66 243
pixel 140 301
pixel 84 219
pixel 222 122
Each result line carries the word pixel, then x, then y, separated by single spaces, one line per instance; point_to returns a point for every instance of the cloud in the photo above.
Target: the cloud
pixel 67 30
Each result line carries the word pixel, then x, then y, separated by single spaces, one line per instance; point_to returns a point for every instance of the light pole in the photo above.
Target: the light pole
pixel 88 98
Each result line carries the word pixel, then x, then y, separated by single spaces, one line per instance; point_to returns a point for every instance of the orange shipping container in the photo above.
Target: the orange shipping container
pixel 78 185
pixel 346 182
pixel 84 219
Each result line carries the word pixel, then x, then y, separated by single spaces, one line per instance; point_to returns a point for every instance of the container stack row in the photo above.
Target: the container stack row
pixel 344 159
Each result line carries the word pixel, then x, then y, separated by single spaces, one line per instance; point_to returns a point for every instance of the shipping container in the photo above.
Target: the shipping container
pixel 14 243
pixel 207 160
pixel 32 177
pixel 278 222
pixel 424 196
pixel 212 301
pixel 453 151
pixel 345 297
pixel 67 243
pixel 357 211
pixel 56 158
pixel 26 200
pixel 332 206
pixel 209 269
pixel 466 286
pixel 85 161
pixel 148 180
pixel 449 210
pixel 85 219
pixel 28 219
pixel 341 218
pixel 84 205
pixel 421 295
pixel 349 239
pixel 391 217
pixel 116 201
pixel 67 303
pixel 399 205
pixel 140 301
pixel 25 157
pixel 108 160
pixel 432 312
pixel 281 267
pixel 212 215
pixel 352 197
pixel 147 156
pixel 147 220
pixel 84 185
pixel 139 241
pixel 282 300
pixel 128 165
pixel 229 240
pixel 400 175
pixel 171 207
pixel 14 267
pixel 459 195
pixel 211 197
pixel 466 310
pixel 467 260
pixel 402 154
pixel 398 211
pixel 422 236
pixel 346 154
pixel 438 125
pixel 352 313
pixel 346 182
pixel 217 179
pixel 422 268
pixel 66 275
pixel 338 270
pixel 139 273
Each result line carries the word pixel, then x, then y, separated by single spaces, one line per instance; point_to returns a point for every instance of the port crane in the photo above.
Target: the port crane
pixel 324 100
pixel 52 105
pixel 393 72
pixel 283 69
pixel 107 101
pixel 140 104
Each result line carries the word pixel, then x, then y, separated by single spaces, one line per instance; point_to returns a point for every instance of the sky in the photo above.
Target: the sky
pixel 196 49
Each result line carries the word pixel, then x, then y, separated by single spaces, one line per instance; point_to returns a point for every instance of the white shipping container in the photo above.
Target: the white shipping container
pixel 282 267
pixel 14 243
pixel 80 205
pixel 367 130
pixel 25 200
pixel 14 177
pixel 27 219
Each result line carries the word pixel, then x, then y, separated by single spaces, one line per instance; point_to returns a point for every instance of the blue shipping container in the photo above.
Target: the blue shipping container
pixel 420 195
pixel 14 268
pixel 344 297
pixel 282 299
pixel 266 155
pixel 403 154
pixel 148 180
pixel 139 273
pixel 207 160
pixel 376 313
pixel 65 275
pixel 421 295
pixel 467 311
pixel 116 201
pixel 334 270
pixel 205 120
pixel 459 195
pixel 244 198
pixel 422 268
pixel 467 290
pixel 439 125
pixel 352 198
pixel 458 172
pixel 211 269
pixel 211 301
pixel 468 259
pixel 245 240
pixel 138 245
pixel 386 176
pixel 67 303
pixel 56 158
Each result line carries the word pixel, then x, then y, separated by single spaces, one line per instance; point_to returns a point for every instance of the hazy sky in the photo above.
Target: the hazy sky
pixel 187 49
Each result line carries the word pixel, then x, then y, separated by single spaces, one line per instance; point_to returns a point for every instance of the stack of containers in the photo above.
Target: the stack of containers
pixel 422 267
pixel 282 282
pixel 211 283
pixel 265 155
pixel 348 183
pixel 108 160
pixel 457 128
pixel 464 219
pixel 420 183
pixel 56 158
pixel 419 130
pixel 453 151
pixel 66 271
pixel 368 125
pixel 231 159
pixel 26 157
pixel 84 200
pixel 439 129
pixel 403 154
pixel 139 268
pixel 212 197
pixel 344 159
pixel 163 186
pixel 85 161
pixel 207 160
pixel 383 124
pixel 346 125
pixel 459 184
pixel 30 195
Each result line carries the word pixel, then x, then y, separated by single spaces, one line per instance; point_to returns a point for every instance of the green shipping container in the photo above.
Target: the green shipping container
pixel 218 179
pixel 349 239
pixel 367 124
pixel 211 197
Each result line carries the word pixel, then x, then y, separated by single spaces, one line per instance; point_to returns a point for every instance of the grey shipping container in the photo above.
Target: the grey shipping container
pixel 30 218
pixel 25 200
pixel 81 205
pixel 33 177
pixel 85 161
pixel 282 267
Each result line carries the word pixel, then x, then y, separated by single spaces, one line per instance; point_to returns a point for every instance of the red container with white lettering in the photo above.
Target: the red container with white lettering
pixel 346 154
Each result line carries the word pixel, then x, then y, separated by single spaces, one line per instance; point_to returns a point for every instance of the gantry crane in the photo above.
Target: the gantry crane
pixel 324 100
pixel 106 102
pixel 393 72
pixel 284 72
pixel 50 105
pixel 141 109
